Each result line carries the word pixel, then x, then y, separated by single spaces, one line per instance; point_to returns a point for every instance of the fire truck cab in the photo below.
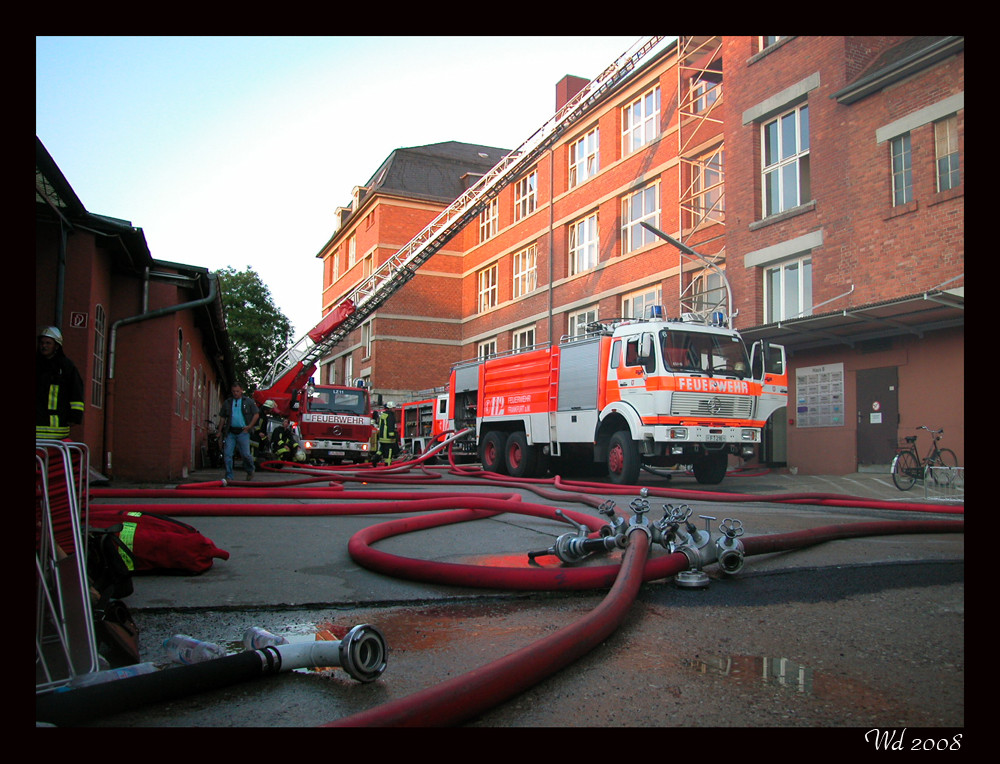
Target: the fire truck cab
pixel 334 423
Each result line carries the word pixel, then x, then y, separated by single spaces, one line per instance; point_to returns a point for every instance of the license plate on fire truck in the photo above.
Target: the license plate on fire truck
pixel 714 437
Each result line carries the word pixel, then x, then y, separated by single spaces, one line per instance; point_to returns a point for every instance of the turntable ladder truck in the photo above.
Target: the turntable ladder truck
pixel 287 381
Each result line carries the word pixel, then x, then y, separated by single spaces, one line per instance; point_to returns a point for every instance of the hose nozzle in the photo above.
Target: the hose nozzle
pixel 361 653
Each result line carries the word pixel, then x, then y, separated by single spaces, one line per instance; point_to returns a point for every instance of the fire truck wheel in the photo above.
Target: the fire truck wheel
pixel 522 459
pixel 491 452
pixel 623 459
pixel 711 469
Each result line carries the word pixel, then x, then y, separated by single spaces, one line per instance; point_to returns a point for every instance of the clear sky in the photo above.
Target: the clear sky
pixel 235 151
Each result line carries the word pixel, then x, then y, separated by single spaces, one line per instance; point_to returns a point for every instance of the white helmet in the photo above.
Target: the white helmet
pixel 269 404
pixel 390 405
pixel 300 456
pixel 51 331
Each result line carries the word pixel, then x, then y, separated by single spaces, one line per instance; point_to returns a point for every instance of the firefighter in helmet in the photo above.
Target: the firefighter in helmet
pixel 260 440
pixel 388 437
pixel 284 445
pixel 58 388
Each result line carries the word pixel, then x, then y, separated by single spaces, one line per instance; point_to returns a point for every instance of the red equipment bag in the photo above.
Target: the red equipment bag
pixel 157 542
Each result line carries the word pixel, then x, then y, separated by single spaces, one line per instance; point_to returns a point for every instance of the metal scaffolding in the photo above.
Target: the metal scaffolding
pixel 701 176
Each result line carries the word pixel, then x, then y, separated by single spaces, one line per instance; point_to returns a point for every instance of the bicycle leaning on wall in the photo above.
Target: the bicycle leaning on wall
pixel 908 467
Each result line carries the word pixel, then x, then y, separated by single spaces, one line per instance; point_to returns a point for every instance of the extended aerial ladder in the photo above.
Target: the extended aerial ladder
pixel 292 369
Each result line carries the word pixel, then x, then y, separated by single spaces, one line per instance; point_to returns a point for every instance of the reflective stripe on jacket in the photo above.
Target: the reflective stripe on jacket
pixel 58 398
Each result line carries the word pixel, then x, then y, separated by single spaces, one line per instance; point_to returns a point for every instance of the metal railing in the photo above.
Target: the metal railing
pixel 944 483
pixel 65 642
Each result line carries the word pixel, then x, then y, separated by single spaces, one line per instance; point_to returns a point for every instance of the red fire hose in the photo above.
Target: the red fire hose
pixel 471 694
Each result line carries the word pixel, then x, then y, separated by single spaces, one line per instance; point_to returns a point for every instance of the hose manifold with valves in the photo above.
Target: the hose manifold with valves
pixel 675 532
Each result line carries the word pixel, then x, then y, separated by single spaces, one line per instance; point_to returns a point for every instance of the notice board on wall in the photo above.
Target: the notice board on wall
pixel 819 396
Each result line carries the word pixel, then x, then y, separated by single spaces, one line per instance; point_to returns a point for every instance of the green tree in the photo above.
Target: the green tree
pixel 258 331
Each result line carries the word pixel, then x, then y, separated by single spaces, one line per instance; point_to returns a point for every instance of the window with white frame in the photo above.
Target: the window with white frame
pixel 946 152
pixel 336 267
pixel 788 290
pixel 786 176
pixel 523 338
pixel 525 195
pixel 525 271
pixel 100 346
pixel 641 121
pixel 706 88
pixel 902 169
pixel 707 197
pixel 179 377
pixel 639 206
pixel 583 245
pixel 367 333
pixel 348 368
pixel 352 252
pixel 488 221
pixel 485 349
pixel 708 292
pixel 636 304
pixel 488 289
pixel 584 158
pixel 187 381
pixel 193 408
pixel 767 42
pixel 577 322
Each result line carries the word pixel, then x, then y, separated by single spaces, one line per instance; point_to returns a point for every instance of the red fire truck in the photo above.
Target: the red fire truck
pixel 420 423
pixel 630 394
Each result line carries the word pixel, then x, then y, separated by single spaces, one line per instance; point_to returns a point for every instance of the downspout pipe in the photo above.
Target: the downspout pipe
pixel 109 399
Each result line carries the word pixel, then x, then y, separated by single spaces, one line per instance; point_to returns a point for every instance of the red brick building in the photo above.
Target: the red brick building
pixel 411 342
pixel 148 336
pixel 845 228
pixel 823 175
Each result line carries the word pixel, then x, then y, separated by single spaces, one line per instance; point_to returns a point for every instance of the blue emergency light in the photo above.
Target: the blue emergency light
pixel 656 312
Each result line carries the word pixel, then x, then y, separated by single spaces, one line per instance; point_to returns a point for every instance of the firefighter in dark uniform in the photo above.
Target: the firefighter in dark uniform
pixel 284 445
pixel 59 388
pixel 260 440
pixel 388 438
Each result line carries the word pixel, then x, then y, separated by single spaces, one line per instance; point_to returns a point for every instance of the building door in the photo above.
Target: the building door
pixel 878 415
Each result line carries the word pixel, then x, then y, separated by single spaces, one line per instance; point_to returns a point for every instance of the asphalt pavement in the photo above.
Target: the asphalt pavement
pixel 854 633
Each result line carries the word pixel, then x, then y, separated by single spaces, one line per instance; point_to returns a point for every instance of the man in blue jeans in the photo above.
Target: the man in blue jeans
pixel 238 417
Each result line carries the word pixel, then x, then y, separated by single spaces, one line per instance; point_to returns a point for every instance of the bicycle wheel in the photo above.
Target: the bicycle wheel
pixel 946 459
pixel 905 469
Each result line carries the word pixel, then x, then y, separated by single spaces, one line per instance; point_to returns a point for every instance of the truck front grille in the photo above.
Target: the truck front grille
pixel 707 405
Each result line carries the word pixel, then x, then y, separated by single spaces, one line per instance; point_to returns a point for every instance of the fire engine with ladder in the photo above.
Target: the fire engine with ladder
pixel 332 430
